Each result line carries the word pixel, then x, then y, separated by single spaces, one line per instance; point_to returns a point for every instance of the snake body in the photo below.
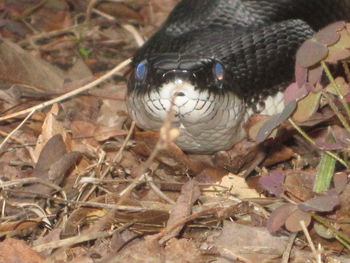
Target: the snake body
pixel 216 62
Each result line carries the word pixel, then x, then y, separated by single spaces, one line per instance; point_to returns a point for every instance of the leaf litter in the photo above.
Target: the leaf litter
pixel 80 183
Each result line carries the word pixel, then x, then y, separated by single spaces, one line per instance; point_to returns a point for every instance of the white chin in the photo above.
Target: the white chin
pixel 207 122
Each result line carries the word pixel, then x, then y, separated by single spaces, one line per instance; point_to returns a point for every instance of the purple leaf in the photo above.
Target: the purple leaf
pixel 329 34
pixel 279 216
pixel 310 53
pixel 294 92
pixel 274 121
pixel 320 203
pixel 273 182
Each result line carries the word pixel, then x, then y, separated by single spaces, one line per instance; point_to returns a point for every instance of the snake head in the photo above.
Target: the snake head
pixel 209 118
pixel 161 69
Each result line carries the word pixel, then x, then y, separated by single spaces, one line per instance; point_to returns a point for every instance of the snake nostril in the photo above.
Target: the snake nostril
pixel 179 94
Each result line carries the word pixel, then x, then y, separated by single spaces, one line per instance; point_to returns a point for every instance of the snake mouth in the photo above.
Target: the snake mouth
pixel 207 122
pixel 187 103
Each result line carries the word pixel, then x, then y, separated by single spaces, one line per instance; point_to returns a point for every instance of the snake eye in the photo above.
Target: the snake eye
pixel 218 70
pixel 141 70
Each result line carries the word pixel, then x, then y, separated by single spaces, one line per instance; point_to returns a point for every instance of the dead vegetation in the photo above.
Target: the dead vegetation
pixel 80 183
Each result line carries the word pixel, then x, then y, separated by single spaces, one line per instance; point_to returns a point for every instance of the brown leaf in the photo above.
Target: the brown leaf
pixel 294 219
pixel 121 12
pixel 298 185
pixel 50 127
pixel 16 251
pixel 250 244
pixel 340 181
pixel 52 166
pixel 339 50
pixel 307 106
pixel 190 192
pixel 53 15
pixel 18 67
pixel 53 150
pixel 147 251
pixel 273 182
pixel 173 156
pixel 182 250
pixel 279 216
pixel 59 168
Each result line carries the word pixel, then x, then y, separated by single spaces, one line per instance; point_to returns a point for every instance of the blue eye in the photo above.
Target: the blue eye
pixel 219 71
pixel 141 70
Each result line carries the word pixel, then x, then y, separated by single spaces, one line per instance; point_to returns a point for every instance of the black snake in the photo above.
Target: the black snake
pixel 218 62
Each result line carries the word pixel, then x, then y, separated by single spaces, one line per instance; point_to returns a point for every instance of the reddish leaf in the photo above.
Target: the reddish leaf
pixel 347 97
pixel 275 120
pixel 300 75
pixel 310 53
pixel 294 219
pixel 340 180
pixel 336 138
pixel 339 50
pixel 329 35
pixel 279 216
pixel 273 182
pixel 314 75
pixel 307 107
pixel 294 92
pixel 320 203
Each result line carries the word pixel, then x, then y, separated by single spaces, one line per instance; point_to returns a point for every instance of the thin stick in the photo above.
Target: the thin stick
pixel 78 239
pixel 17 128
pixel 157 191
pixel 310 140
pixel 336 87
pixel 311 244
pixel 286 253
pixel 70 94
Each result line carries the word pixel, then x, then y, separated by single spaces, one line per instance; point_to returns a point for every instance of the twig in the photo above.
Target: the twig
pixel 138 38
pixel 167 135
pixel 311 244
pixel 29 180
pixel 78 239
pixel 69 94
pixel 336 87
pixel 119 155
pixel 17 128
pixel 131 29
pixel 157 191
pixel 336 232
pixel 310 140
pixel 337 111
pixel 286 253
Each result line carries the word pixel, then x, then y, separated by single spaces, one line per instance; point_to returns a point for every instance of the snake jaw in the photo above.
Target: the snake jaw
pixel 207 122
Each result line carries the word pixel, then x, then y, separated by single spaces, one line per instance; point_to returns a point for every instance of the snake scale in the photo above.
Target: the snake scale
pixel 217 62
